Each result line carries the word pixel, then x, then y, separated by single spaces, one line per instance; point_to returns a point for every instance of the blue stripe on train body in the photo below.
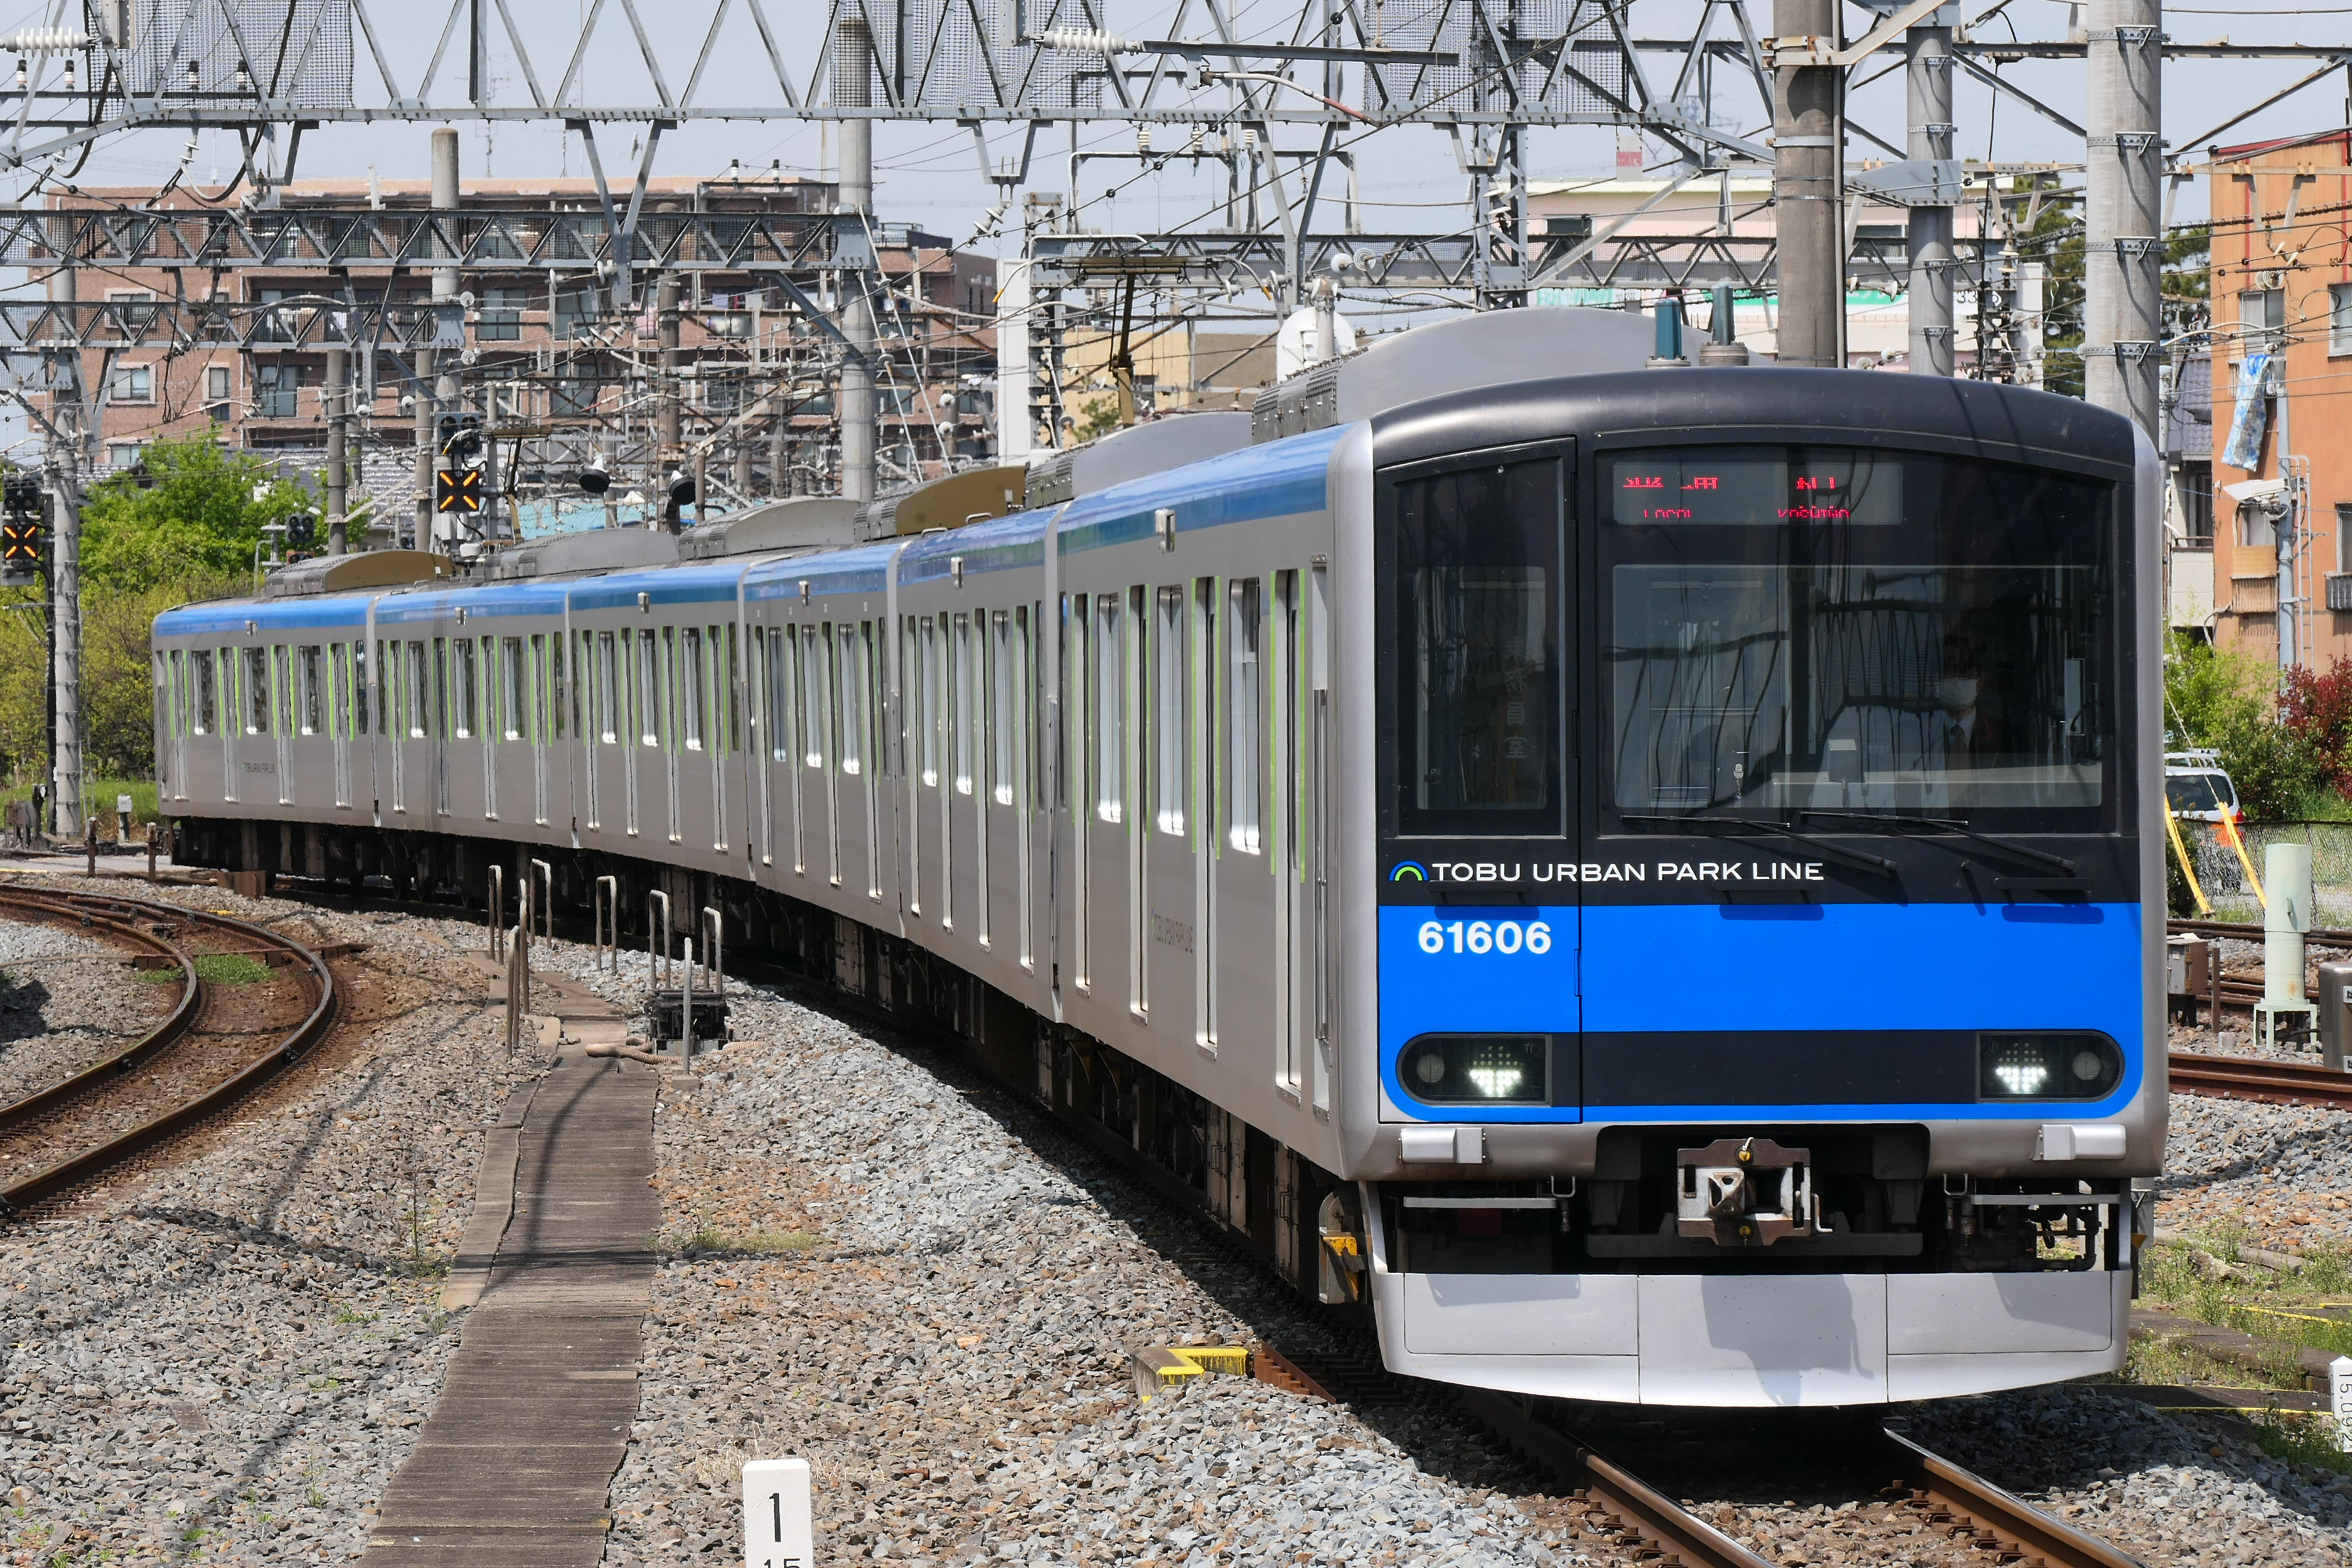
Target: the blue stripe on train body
pixel 1719 967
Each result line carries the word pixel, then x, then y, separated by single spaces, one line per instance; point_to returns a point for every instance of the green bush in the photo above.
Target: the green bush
pixel 2229 701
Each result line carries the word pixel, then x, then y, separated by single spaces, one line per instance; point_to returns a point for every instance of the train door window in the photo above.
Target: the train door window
pixel 339 676
pixel 561 694
pixel 847 660
pixel 1003 725
pixel 959 675
pixel 420 688
pixel 310 697
pixel 283 665
pixel 1243 740
pixel 461 686
pixel 517 725
pixel 605 692
pixel 203 660
pixel 928 700
pixel 690 673
pixel 1136 760
pixel 1164 723
pixel 256 691
pixel 1109 704
pixel 1284 782
pixel 780 694
pixel 649 690
pixel 722 656
pixel 1476 563
pixel 546 716
pixel 359 689
pixel 812 724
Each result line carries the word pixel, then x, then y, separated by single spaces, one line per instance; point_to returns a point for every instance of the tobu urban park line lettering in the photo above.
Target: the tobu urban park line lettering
pixel 1742 871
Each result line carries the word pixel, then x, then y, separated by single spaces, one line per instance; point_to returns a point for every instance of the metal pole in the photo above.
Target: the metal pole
pixel 1015 433
pixel 2123 323
pixel 425 451
pixel 65 623
pixel 1928 97
pixel 667 436
pixel 853 87
pixel 445 291
pixel 339 540
pixel 1808 125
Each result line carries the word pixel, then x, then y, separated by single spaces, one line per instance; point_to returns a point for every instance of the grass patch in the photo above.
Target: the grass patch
pixel 230 969
pixel 711 1238
pixel 2289 1308
pixel 2300 1437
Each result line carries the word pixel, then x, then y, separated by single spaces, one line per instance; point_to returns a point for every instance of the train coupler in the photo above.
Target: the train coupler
pixel 1746 1192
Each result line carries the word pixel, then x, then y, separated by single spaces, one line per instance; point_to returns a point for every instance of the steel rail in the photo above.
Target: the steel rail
pixel 2250 931
pixel 15 1198
pixel 42 1101
pixel 2016 1526
pixel 2262 1078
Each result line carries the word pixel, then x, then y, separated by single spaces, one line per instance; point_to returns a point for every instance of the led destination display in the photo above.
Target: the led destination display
pixel 1700 486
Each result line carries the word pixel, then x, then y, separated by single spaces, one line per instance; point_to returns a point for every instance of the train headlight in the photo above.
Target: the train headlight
pixel 1477 1069
pixel 2047 1066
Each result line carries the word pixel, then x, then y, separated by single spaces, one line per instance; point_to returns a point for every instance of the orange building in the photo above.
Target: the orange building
pixel 2281 398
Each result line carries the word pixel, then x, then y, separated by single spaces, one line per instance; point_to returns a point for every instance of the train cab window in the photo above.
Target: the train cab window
pixel 1164 723
pixel 202 659
pixel 1110 706
pixel 1795 630
pixel 256 691
pixel 1476 671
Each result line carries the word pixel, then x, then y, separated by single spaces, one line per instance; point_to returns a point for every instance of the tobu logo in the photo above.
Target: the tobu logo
pixel 1408 870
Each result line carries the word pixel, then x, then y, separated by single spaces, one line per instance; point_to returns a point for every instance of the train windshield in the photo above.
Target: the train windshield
pixel 1821 629
pixel 1477 676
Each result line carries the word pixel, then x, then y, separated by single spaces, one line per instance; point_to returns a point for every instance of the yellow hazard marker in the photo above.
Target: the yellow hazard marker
pixel 2204 905
pixel 1158 1368
pixel 2237 840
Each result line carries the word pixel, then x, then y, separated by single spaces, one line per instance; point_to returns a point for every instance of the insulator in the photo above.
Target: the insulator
pixel 20 74
pixel 1143 139
pixel 47 41
pixel 195 80
pixel 69 73
pixel 1249 136
pixel 1200 134
pixel 1080 41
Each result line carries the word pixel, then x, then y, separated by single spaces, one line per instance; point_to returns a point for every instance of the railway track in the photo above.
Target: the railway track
pixel 218 1044
pixel 2266 1078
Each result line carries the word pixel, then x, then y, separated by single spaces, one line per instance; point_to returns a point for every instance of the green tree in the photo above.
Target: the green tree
pixel 200 511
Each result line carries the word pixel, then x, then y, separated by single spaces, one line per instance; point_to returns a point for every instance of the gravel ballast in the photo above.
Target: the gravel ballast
pixel 222 1358
pixel 66 1001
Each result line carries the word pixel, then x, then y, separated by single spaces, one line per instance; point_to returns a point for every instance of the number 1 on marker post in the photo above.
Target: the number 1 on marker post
pixel 779 1519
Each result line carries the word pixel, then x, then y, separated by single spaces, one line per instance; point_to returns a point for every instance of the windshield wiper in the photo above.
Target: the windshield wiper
pixel 1836 851
pixel 1946 825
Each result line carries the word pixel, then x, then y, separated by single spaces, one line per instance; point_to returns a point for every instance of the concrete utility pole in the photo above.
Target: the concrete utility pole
pixel 447 390
pixel 1928 99
pixel 2123 290
pixel 66 455
pixel 1808 190
pixel 853 87
pixel 436 391
pixel 339 540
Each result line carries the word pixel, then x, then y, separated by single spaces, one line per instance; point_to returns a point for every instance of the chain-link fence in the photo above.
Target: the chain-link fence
pixel 2223 876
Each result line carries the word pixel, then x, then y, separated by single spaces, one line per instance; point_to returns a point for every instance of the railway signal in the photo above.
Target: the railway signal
pixel 21 527
pixel 457 476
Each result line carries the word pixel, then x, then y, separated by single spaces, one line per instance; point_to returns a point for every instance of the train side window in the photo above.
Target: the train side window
pixel 1109 697
pixel 202 659
pixel 812 673
pixel 722 650
pixel 256 691
pixel 690 673
pixel 1476 563
pixel 517 690
pixel 779 675
pixel 1163 724
pixel 462 681
pixel 1242 772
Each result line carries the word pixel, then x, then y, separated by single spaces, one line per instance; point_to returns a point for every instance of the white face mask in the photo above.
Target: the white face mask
pixel 1957 693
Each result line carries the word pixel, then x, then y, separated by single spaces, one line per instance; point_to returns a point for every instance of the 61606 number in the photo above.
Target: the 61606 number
pixel 1486 936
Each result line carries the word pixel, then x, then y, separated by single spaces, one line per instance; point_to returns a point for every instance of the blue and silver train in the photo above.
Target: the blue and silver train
pixel 1641 879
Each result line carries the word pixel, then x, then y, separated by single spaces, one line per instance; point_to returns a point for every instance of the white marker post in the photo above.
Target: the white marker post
pixel 2339 1399
pixel 779 1520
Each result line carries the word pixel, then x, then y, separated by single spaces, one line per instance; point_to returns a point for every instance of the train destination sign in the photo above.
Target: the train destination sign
pixel 1754 485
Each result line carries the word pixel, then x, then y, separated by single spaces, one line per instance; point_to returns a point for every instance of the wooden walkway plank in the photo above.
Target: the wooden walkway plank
pixel 514 1468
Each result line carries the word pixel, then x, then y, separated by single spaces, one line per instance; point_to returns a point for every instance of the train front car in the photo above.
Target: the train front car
pixel 1765 904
